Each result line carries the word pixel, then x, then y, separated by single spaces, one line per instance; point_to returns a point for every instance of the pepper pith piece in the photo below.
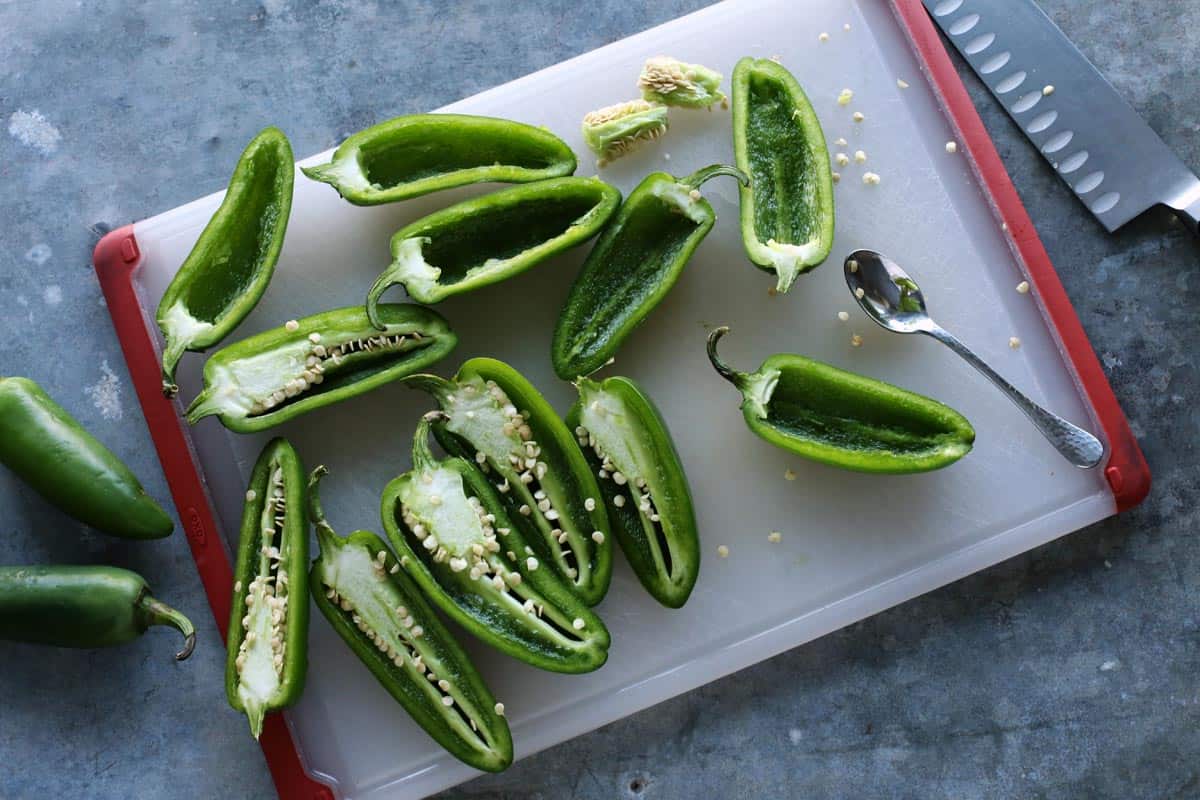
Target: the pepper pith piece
pixel 380 613
pixel 843 419
pixel 617 130
pixel 673 82
pixel 456 541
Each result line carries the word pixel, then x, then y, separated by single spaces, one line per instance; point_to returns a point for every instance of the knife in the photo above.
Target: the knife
pixel 1107 154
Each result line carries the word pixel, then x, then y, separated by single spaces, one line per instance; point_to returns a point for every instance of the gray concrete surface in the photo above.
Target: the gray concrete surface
pixel 1068 672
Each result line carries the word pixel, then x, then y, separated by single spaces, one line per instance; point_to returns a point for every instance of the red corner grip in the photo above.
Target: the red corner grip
pixel 116 257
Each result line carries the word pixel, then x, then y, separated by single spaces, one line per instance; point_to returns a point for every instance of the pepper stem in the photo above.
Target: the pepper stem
pixel 436 385
pixel 156 612
pixel 697 178
pixel 733 376
pixel 176 346
pixel 381 285
pixel 201 407
pixel 327 537
pixel 422 455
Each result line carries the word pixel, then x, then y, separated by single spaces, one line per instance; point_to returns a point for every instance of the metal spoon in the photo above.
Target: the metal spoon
pixel 894 301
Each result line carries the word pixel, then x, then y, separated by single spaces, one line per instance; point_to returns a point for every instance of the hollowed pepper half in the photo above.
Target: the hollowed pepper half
pixel 48 449
pixel 382 616
pixel 787 210
pixel 496 419
pixel 649 503
pixel 843 419
pixel 228 269
pixel 636 261
pixel 456 541
pixel 267 642
pixel 487 239
pixel 309 363
pixel 422 153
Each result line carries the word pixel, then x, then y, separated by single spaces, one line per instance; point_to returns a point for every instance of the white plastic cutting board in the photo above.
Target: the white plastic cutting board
pixel 852 544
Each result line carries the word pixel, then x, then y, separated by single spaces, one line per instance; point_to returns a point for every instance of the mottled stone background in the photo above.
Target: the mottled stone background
pixel 1067 672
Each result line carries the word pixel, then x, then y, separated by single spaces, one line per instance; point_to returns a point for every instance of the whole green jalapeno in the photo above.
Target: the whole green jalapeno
pixel 309 363
pixel 228 270
pixel 456 541
pixel 676 83
pixel 267 642
pixel 87 606
pixel 383 617
pixel 617 130
pixel 636 261
pixel 787 210
pixel 642 480
pixel 495 418
pixel 487 239
pixel 422 153
pixel 843 419
pixel 65 464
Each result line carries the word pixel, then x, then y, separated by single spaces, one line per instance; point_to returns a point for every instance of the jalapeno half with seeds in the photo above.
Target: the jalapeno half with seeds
pixel 496 419
pixel 843 419
pixel 267 642
pixel 381 615
pixel 787 210
pixel 309 363
pixel 422 153
pixel 487 239
pixel 636 261
pixel 228 270
pixel 455 539
pixel 649 503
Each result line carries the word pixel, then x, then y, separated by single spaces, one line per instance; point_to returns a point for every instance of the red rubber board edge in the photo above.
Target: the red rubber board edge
pixel 117 257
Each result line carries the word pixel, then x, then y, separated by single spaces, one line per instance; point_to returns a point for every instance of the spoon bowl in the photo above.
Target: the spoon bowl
pixel 891 298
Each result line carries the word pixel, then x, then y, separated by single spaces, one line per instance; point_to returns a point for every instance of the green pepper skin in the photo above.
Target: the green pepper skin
pixel 232 262
pixel 488 239
pixel 279 374
pixel 269 584
pixel 422 153
pixel 617 419
pixel 358 585
pixel 86 607
pixel 636 261
pixel 48 449
pixel 435 516
pixel 843 419
pixel 787 211
pixel 582 559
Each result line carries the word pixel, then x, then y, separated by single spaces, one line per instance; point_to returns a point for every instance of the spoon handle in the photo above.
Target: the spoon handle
pixel 1076 445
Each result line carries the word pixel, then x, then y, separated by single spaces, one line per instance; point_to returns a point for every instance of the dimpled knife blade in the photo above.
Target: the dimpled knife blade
pixel 1107 154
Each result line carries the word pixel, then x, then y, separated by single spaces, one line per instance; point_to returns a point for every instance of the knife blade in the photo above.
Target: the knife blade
pixel 1101 148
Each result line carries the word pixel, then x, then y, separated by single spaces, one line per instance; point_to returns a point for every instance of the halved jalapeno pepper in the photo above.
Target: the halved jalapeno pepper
pixel 382 616
pixel 843 419
pixel 305 364
pixel 455 539
pixel 643 483
pixel 267 642
pixel 496 419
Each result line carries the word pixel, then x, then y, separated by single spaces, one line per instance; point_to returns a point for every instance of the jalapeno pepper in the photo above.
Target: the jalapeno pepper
pixel 83 607
pixel 382 616
pixel 456 541
pixel 614 131
pixel 676 83
pixel 228 270
pixel 787 211
pixel 422 153
pixel 496 419
pixel 636 261
pixel 487 239
pixel 643 483
pixel 49 450
pixel 845 420
pixel 309 363
pixel 267 643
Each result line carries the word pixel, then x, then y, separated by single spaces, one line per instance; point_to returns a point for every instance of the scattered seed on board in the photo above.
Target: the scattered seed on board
pixel 856 340
pixel 823 37
pixel 860 156
pixel 842 160
pixel 1023 287
pixel 858 116
pixel 844 316
pixel 844 97
pixel 846 27
pixel 723 551
pixel 789 474
pixel 952 147
pixel 860 292
pixel 900 82
pixel 1048 90
pixel 1014 342
pixel 774 536
pixel 837 177
pixel 871 179
pixel 841 141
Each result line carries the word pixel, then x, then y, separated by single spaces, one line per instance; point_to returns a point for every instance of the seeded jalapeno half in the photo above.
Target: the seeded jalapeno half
pixel 676 83
pixel 455 539
pixel 305 364
pixel 422 153
pixel 495 418
pixel 487 239
pixel 649 503
pixel 267 642
pixel 228 270
pixel 382 616
pixel 636 261
pixel 787 210
pixel 843 419
pixel 614 131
